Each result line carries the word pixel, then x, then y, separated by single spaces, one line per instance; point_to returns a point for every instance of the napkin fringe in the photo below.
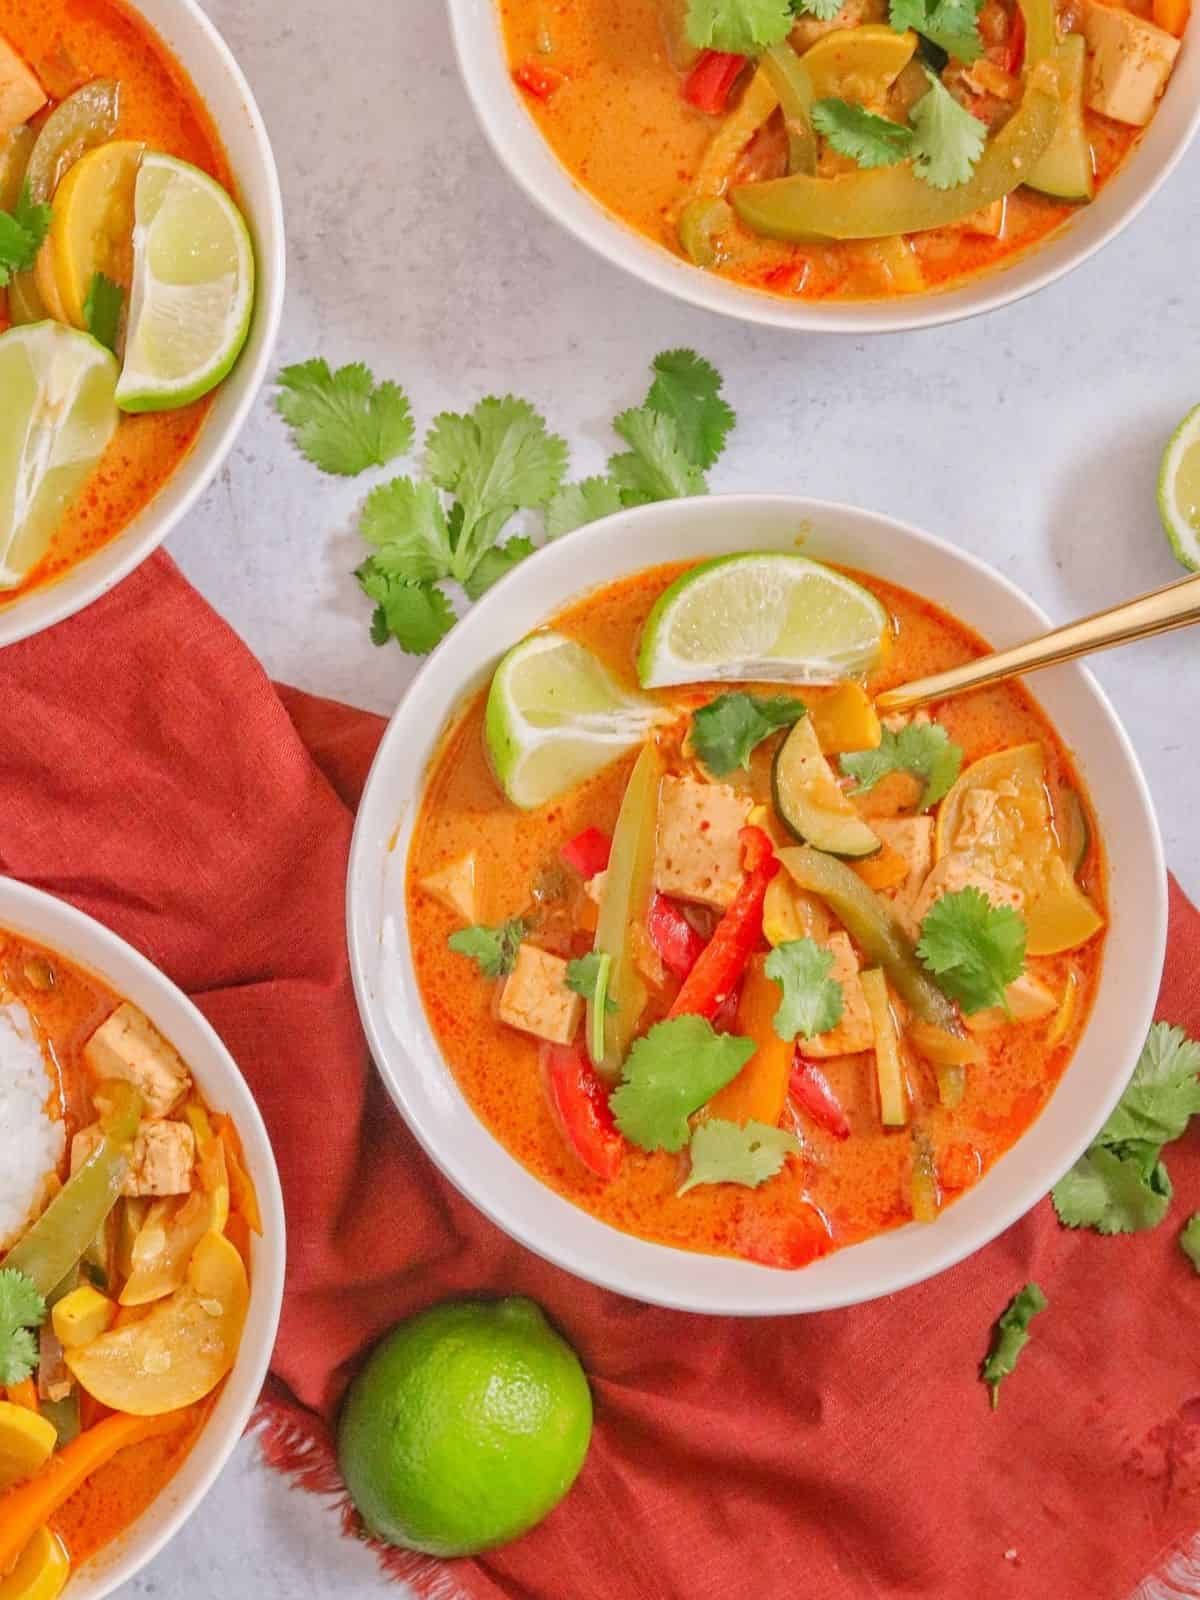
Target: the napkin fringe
pixel 1178 1578
pixel 298 1445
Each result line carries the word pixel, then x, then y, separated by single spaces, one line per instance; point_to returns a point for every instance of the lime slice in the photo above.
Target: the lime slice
pixel 768 617
pixel 57 415
pixel 193 287
pixel 555 715
pixel 1179 490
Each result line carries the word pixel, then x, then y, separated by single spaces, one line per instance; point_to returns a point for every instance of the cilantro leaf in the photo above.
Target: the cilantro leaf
pixel 953 25
pixel 864 136
pixel 1125 1189
pixel 1189 1239
pixel 823 10
pixel 1010 1336
pixel 577 504
pixel 495 460
pixel 102 310
pixel 407 522
pixel 947 139
pixel 688 389
pixel 22 233
pixel 670 1073
pixel 1163 1093
pixel 495 564
pixel 21 1308
pixel 655 467
pixel 494 950
pixel 743 27
pixel 586 972
pixel 922 748
pixel 812 1000
pixel 729 728
pixel 737 1152
pixel 973 948
pixel 417 615
pixel 343 421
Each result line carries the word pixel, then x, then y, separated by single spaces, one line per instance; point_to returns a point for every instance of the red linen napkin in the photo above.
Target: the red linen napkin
pixel 151 774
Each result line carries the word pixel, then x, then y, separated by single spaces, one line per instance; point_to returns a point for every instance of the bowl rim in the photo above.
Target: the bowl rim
pixel 363 869
pixel 616 241
pixel 119 965
pixel 103 569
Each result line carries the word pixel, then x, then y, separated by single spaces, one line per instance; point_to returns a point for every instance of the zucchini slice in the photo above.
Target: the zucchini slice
pixel 809 801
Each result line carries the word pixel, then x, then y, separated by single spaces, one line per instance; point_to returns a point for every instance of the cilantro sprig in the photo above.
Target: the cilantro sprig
pixel 22 233
pixel 747 1153
pixel 952 25
pixel 102 310
pixel 1120 1184
pixel 730 728
pixel 343 421
pixel 812 1001
pixel 942 138
pixel 973 948
pixel 1010 1336
pixel 921 748
pixel 22 1310
pixel 588 975
pixel 747 27
pixel 669 1074
pixel 494 950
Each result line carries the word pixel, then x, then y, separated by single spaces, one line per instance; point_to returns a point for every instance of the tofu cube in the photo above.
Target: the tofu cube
pixel 978 809
pixel 1129 62
pixel 129 1046
pixel 912 838
pixel 854 1032
pixel 955 872
pixel 454 885
pixel 699 854
pixel 535 997
pixel 163 1156
pixel 21 95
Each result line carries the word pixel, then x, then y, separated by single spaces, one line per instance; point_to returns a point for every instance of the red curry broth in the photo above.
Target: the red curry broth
pixel 68 43
pixel 860 1185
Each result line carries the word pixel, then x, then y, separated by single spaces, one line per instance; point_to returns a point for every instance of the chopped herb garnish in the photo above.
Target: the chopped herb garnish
pixel 942 138
pixel 102 310
pixel 670 1073
pixel 812 1001
pixel 343 421
pixel 923 749
pixel 22 233
pixel 742 27
pixel 1010 1337
pixel 973 948
pixel 952 25
pixel 22 1309
pixel 586 974
pixel 494 950
pixel 737 1152
pixel 728 729
pixel 864 136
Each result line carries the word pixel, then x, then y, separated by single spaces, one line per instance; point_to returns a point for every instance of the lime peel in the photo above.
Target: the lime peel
pixel 1179 490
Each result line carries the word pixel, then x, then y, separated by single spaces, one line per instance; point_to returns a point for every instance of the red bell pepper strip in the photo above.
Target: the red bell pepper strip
pixel 786 1242
pixel 540 82
pixel 724 1019
pixel 673 936
pixel 587 852
pixel 580 1102
pixel 1016 43
pixel 708 84
pixel 810 1087
pixel 719 969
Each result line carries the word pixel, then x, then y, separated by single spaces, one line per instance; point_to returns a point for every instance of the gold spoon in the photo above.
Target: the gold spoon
pixel 1176 606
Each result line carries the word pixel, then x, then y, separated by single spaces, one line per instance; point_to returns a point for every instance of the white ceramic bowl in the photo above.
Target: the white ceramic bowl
pixel 516 140
pixel 88 944
pixel 425 1090
pixel 196 44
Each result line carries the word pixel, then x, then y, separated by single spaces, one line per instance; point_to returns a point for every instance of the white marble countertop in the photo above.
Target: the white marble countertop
pixel 1031 437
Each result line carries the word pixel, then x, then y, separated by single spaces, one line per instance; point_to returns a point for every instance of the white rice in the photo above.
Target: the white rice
pixel 31 1141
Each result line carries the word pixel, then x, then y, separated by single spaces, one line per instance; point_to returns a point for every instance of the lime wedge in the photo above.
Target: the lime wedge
pixel 1179 490
pixel 770 617
pixel 193 287
pixel 555 715
pixel 57 415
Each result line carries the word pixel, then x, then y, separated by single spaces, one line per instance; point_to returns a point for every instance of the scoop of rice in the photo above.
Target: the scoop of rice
pixel 31 1140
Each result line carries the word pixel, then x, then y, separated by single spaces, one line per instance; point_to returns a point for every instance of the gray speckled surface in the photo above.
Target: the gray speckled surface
pixel 1031 437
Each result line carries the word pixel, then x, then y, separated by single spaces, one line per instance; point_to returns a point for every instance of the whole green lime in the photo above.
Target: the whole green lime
pixel 467 1426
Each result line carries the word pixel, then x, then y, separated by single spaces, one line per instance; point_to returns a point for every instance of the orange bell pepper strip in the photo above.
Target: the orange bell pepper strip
pixel 29 1506
pixel 242 1193
pixel 24 1394
pixel 739 932
pixel 759 1092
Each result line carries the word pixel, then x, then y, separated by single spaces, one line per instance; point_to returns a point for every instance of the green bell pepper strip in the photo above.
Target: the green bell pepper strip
pixel 624 907
pixel 870 922
pixel 58 1240
pixel 793 87
pixel 1041 32
pixel 886 200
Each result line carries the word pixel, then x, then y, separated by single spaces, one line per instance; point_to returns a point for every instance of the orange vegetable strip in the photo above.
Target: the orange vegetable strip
pixel 759 1092
pixel 23 1394
pixel 241 1185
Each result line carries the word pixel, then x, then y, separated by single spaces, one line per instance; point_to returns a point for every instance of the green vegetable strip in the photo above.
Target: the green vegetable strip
pixel 1010 1337
pixel 58 1239
pixel 793 86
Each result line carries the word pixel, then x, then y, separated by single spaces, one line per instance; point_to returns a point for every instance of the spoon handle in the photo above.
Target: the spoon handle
pixel 1176 606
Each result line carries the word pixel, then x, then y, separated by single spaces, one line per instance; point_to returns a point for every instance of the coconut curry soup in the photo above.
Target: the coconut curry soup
pixel 857 152
pixel 741 967
pixel 126 278
pixel 125 1221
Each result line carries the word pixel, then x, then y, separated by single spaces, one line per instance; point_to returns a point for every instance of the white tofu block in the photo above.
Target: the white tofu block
pixel 535 997
pixel 162 1159
pixel 1129 62
pixel 854 1032
pixel 129 1046
pixel 21 95
pixel 699 854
